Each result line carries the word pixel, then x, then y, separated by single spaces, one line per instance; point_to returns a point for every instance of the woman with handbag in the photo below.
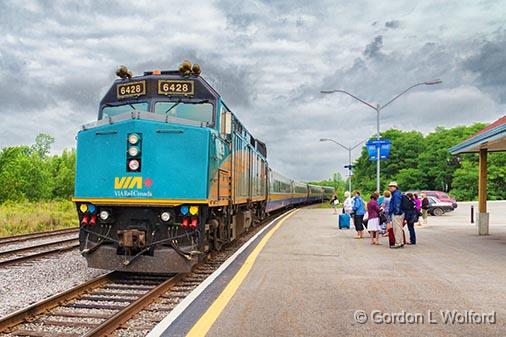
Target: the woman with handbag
pixel 373 223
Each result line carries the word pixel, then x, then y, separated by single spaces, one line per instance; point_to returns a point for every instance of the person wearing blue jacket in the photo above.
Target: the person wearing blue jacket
pixel 396 214
pixel 358 214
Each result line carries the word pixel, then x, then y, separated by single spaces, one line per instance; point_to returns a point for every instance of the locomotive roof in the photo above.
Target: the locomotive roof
pixel 201 88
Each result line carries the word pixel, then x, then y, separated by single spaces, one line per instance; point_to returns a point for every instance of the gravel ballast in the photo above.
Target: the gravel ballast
pixel 30 282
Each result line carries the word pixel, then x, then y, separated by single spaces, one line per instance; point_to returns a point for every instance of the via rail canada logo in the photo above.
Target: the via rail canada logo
pixel 132 186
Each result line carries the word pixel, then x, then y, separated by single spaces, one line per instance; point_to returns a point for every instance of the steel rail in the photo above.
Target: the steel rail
pixel 40 246
pixel 37 235
pixel 38 254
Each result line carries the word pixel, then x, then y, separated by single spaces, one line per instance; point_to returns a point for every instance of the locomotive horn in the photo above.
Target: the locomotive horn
pixel 123 72
pixel 196 69
pixel 186 68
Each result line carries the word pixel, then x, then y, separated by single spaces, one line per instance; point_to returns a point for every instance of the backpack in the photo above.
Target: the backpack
pixel 406 204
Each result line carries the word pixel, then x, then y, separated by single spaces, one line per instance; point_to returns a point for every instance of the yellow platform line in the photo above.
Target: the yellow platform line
pixel 201 328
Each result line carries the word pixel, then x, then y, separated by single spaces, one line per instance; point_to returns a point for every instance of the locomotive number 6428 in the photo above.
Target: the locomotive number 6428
pixel 132 89
pixel 171 87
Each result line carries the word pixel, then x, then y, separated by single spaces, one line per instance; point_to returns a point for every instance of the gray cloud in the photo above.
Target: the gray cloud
pixel 373 48
pixel 393 24
pixel 268 59
pixel 489 63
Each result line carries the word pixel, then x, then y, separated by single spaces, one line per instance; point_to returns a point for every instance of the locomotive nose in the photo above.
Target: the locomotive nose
pixel 136 159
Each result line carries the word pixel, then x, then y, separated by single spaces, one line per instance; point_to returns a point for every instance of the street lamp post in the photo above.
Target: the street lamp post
pixel 378 109
pixel 349 149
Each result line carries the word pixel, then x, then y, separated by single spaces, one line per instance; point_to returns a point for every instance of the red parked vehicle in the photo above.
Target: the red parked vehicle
pixel 442 196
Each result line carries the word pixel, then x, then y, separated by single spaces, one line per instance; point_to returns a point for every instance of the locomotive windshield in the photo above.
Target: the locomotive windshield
pixel 113 110
pixel 195 111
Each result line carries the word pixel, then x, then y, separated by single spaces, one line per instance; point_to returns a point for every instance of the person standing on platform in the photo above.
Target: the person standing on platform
pixel 425 209
pixel 411 215
pixel 418 205
pixel 396 214
pixel 385 208
pixel 380 199
pixel 373 223
pixel 348 203
pixel 333 202
pixel 358 214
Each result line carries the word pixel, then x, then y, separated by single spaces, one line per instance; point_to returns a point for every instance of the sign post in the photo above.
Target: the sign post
pixel 378 147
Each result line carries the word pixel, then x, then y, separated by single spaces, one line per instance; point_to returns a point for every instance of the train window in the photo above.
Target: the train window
pixel 200 112
pixel 109 111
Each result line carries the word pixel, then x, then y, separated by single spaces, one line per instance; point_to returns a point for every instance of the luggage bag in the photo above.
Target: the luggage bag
pixel 344 221
pixel 391 237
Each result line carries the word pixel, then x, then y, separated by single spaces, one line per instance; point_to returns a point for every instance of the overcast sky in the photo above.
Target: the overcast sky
pixel 269 60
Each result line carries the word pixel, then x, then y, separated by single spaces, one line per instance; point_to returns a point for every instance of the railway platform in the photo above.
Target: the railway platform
pixel 303 277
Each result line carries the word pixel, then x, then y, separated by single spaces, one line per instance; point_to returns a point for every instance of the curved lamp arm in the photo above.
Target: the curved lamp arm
pixel 355 146
pixel 351 95
pixel 335 142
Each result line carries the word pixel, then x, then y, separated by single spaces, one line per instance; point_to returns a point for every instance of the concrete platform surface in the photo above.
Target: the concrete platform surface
pixel 314 280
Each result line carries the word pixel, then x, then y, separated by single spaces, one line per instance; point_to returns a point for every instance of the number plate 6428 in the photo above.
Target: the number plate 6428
pixel 175 87
pixel 131 89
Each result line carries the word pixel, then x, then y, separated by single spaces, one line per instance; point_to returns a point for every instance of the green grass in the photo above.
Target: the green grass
pixel 326 204
pixel 29 217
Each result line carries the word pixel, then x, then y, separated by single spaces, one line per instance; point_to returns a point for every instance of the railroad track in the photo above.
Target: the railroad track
pixel 115 303
pixel 16 255
pixel 95 308
pixel 38 235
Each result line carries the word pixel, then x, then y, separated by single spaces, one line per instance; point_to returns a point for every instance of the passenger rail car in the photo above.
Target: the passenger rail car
pixel 328 192
pixel 168 172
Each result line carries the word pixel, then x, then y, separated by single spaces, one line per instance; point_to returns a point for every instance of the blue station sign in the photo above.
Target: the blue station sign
pixel 384 146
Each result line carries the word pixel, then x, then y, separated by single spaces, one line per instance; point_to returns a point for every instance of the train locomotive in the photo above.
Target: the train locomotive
pixel 168 173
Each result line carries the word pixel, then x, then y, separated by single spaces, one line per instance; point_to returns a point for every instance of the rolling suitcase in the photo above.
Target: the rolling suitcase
pixel 391 237
pixel 344 221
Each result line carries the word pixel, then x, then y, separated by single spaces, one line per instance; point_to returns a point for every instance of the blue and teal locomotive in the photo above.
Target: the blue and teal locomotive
pixel 168 173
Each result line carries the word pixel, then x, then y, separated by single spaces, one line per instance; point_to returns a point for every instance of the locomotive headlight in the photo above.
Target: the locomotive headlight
pixel 104 215
pixel 165 216
pixel 133 138
pixel 133 164
pixel 133 151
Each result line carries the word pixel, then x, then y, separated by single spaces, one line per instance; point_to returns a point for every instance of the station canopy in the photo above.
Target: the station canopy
pixel 492 138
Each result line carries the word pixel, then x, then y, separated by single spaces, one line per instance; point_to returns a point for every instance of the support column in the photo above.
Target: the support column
pixel 483 216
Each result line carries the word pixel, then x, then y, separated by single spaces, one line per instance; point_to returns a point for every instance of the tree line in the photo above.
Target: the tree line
pixel 31 173
pixel 422 162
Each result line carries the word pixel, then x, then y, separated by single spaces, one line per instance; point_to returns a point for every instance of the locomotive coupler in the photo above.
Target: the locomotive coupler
pixel 132 238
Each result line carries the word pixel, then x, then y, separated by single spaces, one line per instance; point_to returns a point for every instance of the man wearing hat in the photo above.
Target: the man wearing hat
pixel 397 214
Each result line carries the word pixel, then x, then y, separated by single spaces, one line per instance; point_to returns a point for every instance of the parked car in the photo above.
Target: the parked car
pixel 441 196
pixel 438 207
